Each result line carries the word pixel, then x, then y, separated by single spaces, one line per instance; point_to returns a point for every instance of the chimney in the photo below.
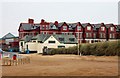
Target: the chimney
pixel 31 21
pixel 42 20
pixel 102 23
pixel 56 23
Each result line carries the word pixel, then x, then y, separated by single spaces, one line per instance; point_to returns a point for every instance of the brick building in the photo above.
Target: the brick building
pixel 84 32
pixel 9 42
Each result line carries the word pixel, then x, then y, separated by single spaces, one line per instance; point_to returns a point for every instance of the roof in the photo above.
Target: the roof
pixel 53 26
pixel 66 38
pixel 41 37
pixel 7 36
pixel 85 24
pixel 27 38
pixel 71 25
pixel 108 25
pixel 96 26
pixel 60 24
pixel 118 28
pixel 27 26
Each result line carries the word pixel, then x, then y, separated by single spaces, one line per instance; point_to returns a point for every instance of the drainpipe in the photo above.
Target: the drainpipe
pixel 107 34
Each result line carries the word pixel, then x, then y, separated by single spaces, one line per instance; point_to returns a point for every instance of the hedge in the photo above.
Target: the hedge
pixel 110 48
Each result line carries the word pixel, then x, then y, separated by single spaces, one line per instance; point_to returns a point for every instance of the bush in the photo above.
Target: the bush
pixel 98 49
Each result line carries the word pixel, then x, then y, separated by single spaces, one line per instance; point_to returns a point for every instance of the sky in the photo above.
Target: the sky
pixel 13 12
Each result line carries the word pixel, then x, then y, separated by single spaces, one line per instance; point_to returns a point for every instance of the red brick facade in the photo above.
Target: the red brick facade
pixel 85 31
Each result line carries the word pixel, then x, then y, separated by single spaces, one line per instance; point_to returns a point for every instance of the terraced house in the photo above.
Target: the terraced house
pixel 85 32
pixel 82 32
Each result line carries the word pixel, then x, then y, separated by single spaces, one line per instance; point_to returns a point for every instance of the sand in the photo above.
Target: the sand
pixel 65 65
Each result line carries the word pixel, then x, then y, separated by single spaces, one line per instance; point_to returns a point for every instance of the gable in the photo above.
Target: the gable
pixel 9 35
pixel 54 27
pixel 52 38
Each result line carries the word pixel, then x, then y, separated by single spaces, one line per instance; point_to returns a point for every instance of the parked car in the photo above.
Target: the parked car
pixel 1 51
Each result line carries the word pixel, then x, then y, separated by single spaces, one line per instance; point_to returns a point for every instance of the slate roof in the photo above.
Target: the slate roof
pixel 26 26
pixel 41 37
pixel 71 25
pixel 66 38
pixel 7 36
pixel 27 38
pixel 118 28
pixel 96 26
pixel 44 37
pixel 84 24
pixel 108 25
pixel 60 24
pixel 53 26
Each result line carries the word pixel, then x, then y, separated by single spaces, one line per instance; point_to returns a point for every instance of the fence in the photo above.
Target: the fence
pixel 19 61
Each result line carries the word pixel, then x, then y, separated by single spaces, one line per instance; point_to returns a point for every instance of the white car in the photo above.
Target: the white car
pixel 1 50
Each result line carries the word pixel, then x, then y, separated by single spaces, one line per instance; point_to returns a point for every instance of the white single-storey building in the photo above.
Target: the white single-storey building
pixel 40 41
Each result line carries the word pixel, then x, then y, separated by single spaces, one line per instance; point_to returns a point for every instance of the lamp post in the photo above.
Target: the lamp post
pixel 79 53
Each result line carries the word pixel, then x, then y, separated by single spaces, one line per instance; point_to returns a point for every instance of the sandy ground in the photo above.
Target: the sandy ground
pixel 65 65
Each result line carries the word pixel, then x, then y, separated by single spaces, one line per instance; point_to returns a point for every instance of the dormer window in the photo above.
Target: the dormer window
pixel 78 27
pixel 102 28
pixel 112 28
pixel 88 27
pixel 61 39
pixel 64 27
pixel 72 39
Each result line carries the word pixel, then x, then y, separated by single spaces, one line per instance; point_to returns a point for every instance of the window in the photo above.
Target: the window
pixel 94 35
pixel 112 28
pixel 39 41
pixel 43 27
pixel 112 35
pixel 21 43
pixel 102 28
pixel 72 39
pixel 64 27
pixel 60 46
pixel 102 35
pixel 51 41
pixel 70 33
pixel 88 27
pixel 34 41
pixel 78 27
pixel 47 27
pixel 42 32
pixel 88 35
pixel 61 39
pixel 65 33
pixel 80 35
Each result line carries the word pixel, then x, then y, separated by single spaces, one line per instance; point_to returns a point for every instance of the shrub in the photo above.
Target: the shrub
pixel 98 49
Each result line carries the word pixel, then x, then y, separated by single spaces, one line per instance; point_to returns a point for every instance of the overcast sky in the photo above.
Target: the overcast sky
pixel 13 12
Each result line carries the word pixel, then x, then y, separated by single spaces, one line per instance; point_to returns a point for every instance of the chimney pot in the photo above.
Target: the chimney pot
pixel 31 21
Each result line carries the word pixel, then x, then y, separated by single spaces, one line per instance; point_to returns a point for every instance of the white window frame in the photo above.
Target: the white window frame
pixel 64 27
pixel 102 28
pixel 78 27
pixel 111 28
pixel 88 27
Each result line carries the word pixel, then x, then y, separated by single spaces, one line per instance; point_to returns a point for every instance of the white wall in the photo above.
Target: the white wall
pixel 8 40
pixel 22 49
pixel 35 46
pixel 32 46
